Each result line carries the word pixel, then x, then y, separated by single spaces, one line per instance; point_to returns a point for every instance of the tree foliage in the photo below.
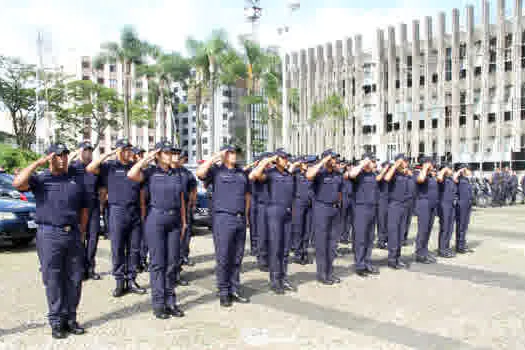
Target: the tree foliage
pixel 18 95
pixel 332 107
pixel 12 158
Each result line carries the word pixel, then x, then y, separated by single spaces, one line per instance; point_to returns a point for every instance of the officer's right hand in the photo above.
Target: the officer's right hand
pixel 44 160
pixel 326 159
pixel 110 153
pixel 150 156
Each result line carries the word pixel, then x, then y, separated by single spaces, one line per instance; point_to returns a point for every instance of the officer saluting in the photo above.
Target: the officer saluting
pixel 327 185
pixel 61 215
pixel 231 206
pixel 165 223
pixel 124 216
pixel 463 208
pixel 281 190
pixel 447 196
pixel 91 183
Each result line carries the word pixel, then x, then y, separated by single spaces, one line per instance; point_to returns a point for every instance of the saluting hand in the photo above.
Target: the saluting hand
pixel 150 156
pixel 44 160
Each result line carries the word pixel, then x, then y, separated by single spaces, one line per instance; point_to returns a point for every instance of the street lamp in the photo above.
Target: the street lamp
pixel 292 6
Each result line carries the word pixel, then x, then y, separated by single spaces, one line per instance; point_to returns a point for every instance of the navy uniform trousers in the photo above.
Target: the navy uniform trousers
pixel 254 237
pixel 397 220
pixel 61 256
pixel 125 228
pixel 426 214
pixel 185 243
pixel 410 214
pixel 262 233
pixel 325 219
pixel 463 211
pixel 382 220
pixel 446 224
pixel 230 237
pixel 301 222
pixel 364 226
pixel 163 229
pixel 91 240
pixel 280 241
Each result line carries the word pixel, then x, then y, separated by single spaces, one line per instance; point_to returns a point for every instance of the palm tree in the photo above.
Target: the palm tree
pixel 206 58
pixel 165 69
pixel 129 51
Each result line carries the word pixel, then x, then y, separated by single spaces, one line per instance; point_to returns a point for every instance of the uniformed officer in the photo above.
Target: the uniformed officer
pixel 91 183
pixel 398 208
pixel 327 183
pixel 280 184
pixel 426 208
pixel 411 203
pixel 124 216
pixel 366 191
pixel 382 208
pixel 463 208
pixel 231 205
pixel 261 195
pixel 138 155
pixel 513 187
pixel 496 182
pixel 253 209
pixel 302 211
pixel 165 224
pixel 61 215
pixel 447 198
pixel 347 205
pixel 190 195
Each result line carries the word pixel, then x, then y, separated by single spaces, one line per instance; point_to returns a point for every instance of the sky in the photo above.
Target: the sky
pixel 73 28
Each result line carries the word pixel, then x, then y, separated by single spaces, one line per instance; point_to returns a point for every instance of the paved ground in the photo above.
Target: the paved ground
pixel 475 301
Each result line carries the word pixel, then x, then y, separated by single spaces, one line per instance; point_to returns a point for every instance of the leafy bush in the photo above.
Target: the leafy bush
pixel 12 158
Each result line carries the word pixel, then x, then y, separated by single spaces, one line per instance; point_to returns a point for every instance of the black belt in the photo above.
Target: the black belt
pixel 65 228
pixel 166 211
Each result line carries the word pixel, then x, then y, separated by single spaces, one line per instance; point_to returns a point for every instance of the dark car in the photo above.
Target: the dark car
pixel 202 215
pixel 17 221
pixel 6 188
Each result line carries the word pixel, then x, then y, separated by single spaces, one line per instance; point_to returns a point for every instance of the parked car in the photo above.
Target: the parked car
pixel 6 186
pixel 202 215
pixel 17 221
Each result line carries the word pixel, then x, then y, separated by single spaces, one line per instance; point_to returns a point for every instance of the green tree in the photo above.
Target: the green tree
pixel 129 51
pixel 88 107
pixel 19 98
pixel 12 158
pixel 165 69
pixel 206 57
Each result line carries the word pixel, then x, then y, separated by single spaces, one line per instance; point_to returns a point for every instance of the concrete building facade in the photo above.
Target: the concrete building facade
pixel 459 95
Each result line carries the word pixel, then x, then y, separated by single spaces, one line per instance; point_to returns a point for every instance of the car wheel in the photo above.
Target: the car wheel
pixel 22 242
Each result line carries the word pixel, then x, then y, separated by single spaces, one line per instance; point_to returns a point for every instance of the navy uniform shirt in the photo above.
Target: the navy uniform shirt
pixel 464 190
pixel 260 192
pixel 383 190
pixel 399 188
pixel 188 181
pixel 366 188
pixel 428 190
pixel 280 187
pixel 90 181
pixel 230 187
pixel 121 190
pixel 412 188
pixel 327 186
pixel 58 198
pixel 303 187
pixel 447 190
pixel 164 188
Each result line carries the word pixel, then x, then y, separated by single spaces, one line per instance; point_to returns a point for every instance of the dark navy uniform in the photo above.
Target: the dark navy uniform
pixel 447 196
pixel 411 206
pixel 59 199
pixel 163 231
pixel 261 197
pixel 347 210
pixel 382 214
pixel 124 220
pixel 327 191
pixel 230 187
pixel 189 183
pixel 365 209
pixel 463 211
pixel 302 215
pixel 399 198
pixel 91 185
pixel 427 203
pixel 280 191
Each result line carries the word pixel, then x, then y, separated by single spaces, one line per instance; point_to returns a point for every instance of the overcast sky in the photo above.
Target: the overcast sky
pixel 77 27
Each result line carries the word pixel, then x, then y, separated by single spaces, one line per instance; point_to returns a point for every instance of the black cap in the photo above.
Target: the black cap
pixel 164 146
pixel 177 149
pixel 136 150
pixel 329 152
pixel 401 156
pixel 123 143
pixel 370 156
pixel 445 165
pixel 385 163
pixel 57 148
pixel 85 145
pixel 228 148
pixel 311 159
pixel 280 152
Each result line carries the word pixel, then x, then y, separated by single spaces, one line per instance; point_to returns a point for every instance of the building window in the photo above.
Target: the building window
pixel 508 53
pixel 448 64
pixel 112 68
pixel 193 154
pixel 434 78
pixel 462 74
pixel 421 124
pixel 100 81
pixel 477 71
pixel 225 116
pixel 193 142
pixel 185 132
pixel 224 140
pixel 398 84
pixel 85 77
pixel 184 120
pixel 492 55
pixel 138 85
pixel 113 83
pixel 421 148
pixel 507 116
pixel 409 125
pixel 204 140
pixel 422 80
pixel 462 120
pixel 85 64
pixel 185 143
pixel 205 152
pixel 491 117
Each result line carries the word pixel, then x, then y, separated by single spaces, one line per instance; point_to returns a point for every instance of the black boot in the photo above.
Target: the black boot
pixel 175 311
pixel 161 314
pixel 74 328
pixel 120 289
pixel 135 288
pixel 58 332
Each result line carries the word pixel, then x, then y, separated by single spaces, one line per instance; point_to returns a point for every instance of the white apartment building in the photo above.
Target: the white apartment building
pixel 456 95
